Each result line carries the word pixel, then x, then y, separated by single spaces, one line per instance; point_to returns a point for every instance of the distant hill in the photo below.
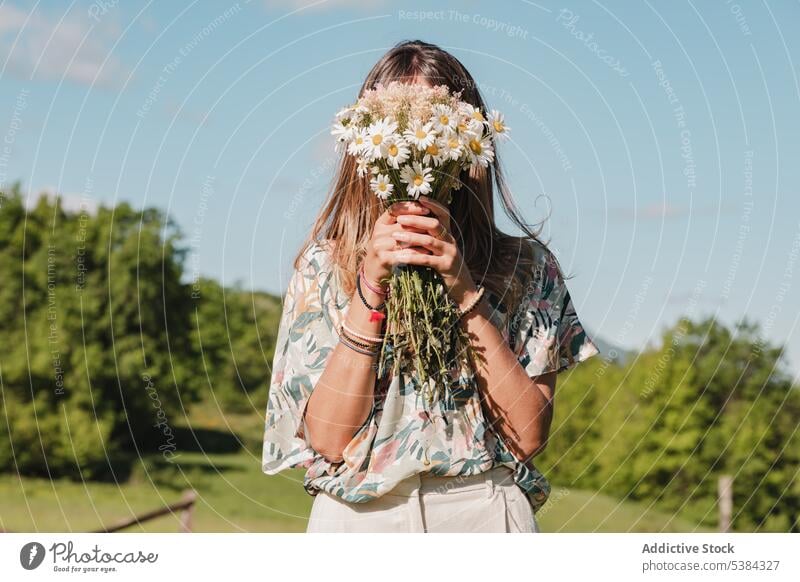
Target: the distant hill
pixel 610 350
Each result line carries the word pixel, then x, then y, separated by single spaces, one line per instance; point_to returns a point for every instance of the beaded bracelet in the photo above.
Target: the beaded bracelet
pixel 370 338
pixel 472 303
pixel 374 313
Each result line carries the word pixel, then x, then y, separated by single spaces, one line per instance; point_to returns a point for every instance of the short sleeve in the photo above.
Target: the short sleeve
pixel 306 337
pixel 549 336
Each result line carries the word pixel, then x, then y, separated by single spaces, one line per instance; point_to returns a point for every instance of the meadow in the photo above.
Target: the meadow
pixel 235 496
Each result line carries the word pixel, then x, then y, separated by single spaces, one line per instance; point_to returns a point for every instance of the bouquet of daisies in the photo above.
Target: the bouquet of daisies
pixel 410 141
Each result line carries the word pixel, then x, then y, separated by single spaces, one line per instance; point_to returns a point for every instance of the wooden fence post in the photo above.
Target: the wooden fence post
pixel 725 501
pixel 189 498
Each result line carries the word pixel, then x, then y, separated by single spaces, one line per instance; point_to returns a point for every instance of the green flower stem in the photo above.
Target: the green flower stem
pixel 423 333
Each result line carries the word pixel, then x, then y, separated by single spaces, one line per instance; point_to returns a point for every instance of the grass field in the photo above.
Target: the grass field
pixel 235 496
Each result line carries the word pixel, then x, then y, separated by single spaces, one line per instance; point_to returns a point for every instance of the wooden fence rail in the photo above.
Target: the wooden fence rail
pixel 185 506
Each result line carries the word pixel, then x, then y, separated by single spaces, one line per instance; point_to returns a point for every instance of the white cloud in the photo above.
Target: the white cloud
pixel 11 18
pixel 72 203
pixel 46 46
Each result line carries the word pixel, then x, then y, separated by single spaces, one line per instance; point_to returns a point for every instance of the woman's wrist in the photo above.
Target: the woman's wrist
pixel 372 299
pixel 371 279
pixel 376 308
pixel 376 288
pixel 472 302
pixel 462 294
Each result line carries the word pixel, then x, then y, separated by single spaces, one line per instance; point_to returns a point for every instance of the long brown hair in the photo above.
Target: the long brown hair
pixel 499 261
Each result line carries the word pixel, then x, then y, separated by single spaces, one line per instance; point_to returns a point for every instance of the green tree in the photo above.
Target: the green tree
pixel 234 330
pixel 708 402
pixel 98 361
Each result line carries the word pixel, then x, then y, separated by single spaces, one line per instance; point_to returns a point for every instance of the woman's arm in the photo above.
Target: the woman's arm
pixel 520 407
pixel 342 399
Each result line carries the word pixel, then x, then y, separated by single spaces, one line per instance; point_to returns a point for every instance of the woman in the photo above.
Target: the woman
pixel 375 460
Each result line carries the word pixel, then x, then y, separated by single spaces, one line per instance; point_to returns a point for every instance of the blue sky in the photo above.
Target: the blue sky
pixel 662 137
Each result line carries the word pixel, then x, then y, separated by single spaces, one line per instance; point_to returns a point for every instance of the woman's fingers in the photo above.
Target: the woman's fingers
pixel 435 245
pixel 387 242
pixel 408 207
pixel 413 256
pixel 394 226
pixel 380 257
pixel 390 243
pixel 438 209
pixel 386 232
pixel 429 224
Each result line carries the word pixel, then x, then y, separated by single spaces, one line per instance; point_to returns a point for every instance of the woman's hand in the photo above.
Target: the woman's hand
pixel 383 251
pixel 430 244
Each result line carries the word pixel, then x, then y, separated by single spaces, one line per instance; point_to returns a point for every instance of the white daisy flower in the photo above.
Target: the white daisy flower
pixel 357 113
pixel 358 142
pixel 467 136
pixel 497 125
pixel 362 167
pixel 452 146
pixel 435 153
pixel 378 136
pixel 470 120
pixel 471 112
pixel 397 151
pixel 341 129
pixel 444 118
pixel 468 125
pixel 345 113
pixel 343 133
pixel 418 179
pixel 480 151
pixel 420 134
pixel 381 186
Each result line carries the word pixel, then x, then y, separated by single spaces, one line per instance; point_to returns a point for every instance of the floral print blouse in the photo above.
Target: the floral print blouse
pixel 399 439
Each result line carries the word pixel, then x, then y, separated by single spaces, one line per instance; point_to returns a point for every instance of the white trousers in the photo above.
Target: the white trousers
pixel 489 503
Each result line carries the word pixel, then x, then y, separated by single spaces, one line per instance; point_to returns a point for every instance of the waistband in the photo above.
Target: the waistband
pixel 428 484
